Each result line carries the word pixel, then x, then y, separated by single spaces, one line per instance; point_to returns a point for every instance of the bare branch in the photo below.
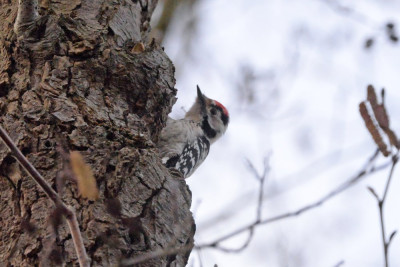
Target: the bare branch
pixel 385 248
pixel 391 236
pixel 200 258
pixel 340 263
pixel 252 169
pixel 381 203
pixel 261 179
pixel 27 14
pixel 350 13
pixel 66 211
pixel 381 118
pixel 296 179
pixel 373 192
pixel 368 169
pixel 73 225
pixel 156 254
pixel 29 167
pixel 394 160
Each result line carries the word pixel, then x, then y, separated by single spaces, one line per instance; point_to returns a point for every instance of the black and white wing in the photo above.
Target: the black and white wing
pixel 183 146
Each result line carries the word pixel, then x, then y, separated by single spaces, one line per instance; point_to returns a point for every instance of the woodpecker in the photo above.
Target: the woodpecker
pixel 184 144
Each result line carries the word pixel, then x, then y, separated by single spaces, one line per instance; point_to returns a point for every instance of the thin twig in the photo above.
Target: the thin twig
pixel 68 212
pixel 394 160
pixel 73 225
pixel 381 203
pixel 261 179
pixel 368 169
pixel 200 258
pixel 350 13
pixel 300 176
pixel 156 254
pixel 340 263
pixel 383 234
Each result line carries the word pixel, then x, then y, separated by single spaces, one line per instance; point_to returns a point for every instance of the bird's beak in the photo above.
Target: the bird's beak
pixel 201 98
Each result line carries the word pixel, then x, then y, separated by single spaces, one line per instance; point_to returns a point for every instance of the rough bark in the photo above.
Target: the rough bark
pixel 73 79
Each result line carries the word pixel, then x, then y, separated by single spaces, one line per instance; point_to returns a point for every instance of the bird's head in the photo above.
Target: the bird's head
pixel 211 114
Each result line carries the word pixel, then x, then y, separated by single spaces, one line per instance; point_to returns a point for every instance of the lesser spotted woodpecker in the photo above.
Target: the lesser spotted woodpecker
pixel 184 144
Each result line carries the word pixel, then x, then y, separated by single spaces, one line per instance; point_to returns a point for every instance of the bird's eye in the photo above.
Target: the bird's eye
pixel 213 111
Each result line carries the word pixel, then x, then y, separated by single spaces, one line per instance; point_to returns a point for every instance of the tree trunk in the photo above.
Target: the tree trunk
pixel 79 79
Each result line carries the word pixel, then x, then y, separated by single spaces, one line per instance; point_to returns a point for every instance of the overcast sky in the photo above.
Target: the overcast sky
pixel 310 69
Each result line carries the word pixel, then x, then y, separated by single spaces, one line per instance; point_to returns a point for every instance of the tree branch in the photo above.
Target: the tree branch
pixel 394 162
pixel 350 13
pixel 295 180
pixel 66 211
pixel 368 169
pixel 340 263
pixel 27 14
pixel 155 254
pixel 261 179
pixel 381 203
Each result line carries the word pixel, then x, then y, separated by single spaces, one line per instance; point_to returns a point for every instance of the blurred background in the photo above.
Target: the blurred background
pixel 292 74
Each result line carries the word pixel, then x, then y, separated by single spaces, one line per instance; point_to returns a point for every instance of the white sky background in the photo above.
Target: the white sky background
pixel 312 72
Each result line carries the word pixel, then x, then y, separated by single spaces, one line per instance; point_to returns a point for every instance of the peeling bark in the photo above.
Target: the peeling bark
pixel 74 80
